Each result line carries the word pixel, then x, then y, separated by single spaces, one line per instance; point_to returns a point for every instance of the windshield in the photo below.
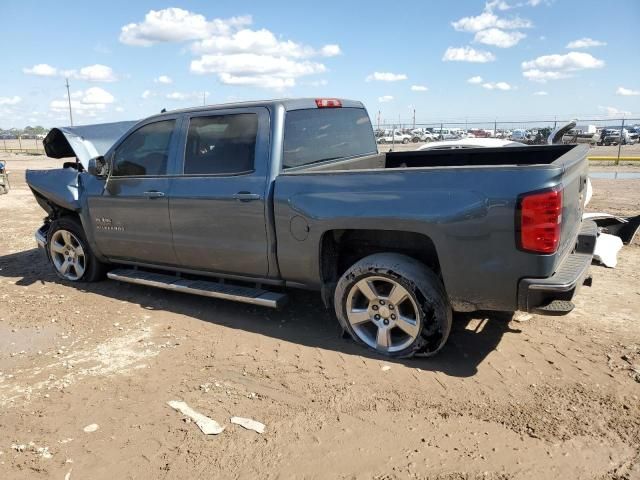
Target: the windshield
pixel 319 134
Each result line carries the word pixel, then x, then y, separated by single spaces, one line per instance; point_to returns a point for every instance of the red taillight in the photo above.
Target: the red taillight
pixel 328 103
pixel 540 219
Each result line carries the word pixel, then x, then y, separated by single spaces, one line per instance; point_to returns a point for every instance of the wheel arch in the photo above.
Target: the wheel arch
pixel 341 248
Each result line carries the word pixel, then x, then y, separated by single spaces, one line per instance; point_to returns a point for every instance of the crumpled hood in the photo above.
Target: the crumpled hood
pixel 84 142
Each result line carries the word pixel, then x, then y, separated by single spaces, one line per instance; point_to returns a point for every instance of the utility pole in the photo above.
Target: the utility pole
pixel 414 118
pixel 204 98
pixel 379 113
pixel 69 98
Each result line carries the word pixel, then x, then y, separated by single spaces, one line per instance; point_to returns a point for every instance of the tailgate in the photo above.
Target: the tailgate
pixel 574 188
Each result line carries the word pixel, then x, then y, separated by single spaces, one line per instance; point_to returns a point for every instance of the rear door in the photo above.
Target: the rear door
pixel 130 216
pixel 217 200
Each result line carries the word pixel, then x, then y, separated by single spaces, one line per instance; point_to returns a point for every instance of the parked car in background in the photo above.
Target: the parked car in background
pixel 444 134
pixel 395 137
pixel 422 137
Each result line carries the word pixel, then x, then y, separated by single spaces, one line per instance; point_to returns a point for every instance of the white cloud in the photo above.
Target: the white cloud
pixel 91 73
pixel 536 75
pixel 499 38
pixel 330 50
pixel 42 70
pixel 497 5
pixel 255 70
pixel 585 42
pixel 95 73
pixel 497 86
pixel 476 79
pixel 467 54
pixel 236 54
pixel 627 92
pixel 487 20
pixel 385 98
pixel 96 95
pixel 318 83
pixel 147 94
pixel 615 112
pixel 569 62
pixel 177 25
pixel 181 96
pixel 119 109
pixel 10 100
pixel 163 79
pixel 555 67
pixel 541 93
pixel 419 88
pixel 88 103
pixel 386 77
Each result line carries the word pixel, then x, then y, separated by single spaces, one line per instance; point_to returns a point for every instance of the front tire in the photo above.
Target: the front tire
pixel 394 305
pixel 69 252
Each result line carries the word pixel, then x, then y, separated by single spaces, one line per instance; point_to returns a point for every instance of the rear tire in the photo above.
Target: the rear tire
pixel 69 252
pixel 394 305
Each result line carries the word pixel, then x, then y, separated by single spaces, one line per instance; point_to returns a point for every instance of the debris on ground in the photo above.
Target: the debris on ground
pixel 91 428
pixel 385 368
pixel 206 424
pixel 607 248
pixel 249 424
pixel 522 317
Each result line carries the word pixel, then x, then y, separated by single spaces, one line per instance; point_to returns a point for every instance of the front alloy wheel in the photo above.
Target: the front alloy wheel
pixel 67 255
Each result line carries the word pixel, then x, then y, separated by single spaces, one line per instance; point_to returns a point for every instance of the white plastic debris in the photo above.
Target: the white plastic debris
pixel 68 475
pixel 206 424
pixel 91 428
pixel 522 317
pixel 607 248
pixel 249 424
pixel 385 368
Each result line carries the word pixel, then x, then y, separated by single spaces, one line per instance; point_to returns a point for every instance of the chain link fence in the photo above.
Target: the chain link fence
pixel 611 139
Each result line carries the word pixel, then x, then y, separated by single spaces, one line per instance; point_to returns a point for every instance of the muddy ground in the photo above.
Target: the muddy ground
pixel 541 399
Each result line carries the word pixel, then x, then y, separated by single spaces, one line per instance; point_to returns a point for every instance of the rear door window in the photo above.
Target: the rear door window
pixel 221 144
pixel 319 134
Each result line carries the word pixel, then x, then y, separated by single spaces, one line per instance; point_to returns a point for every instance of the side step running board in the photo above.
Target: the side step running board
pixel 255 296
pixel 556 307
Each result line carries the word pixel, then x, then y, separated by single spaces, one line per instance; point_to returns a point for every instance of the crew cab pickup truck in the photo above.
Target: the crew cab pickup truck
pixel 243 201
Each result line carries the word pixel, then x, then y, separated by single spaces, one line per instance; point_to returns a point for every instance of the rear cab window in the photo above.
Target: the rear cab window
pixel 322 134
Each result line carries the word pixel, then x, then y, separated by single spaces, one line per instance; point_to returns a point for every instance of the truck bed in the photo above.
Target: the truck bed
pixel 464 201
pixel 464 157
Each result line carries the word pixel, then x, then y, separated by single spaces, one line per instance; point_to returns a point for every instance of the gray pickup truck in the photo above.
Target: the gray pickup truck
pixel 242 201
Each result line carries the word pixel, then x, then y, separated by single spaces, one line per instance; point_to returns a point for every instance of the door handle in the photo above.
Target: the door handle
pixel 246 196
pixel 153 194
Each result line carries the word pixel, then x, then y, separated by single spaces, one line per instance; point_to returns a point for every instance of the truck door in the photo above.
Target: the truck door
pixel 130 216
pixel 217 200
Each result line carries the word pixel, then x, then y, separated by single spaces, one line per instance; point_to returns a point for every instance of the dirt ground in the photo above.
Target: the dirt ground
pixel 551 397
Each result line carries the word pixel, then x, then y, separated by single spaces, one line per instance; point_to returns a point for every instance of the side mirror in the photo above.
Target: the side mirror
pixel 97 167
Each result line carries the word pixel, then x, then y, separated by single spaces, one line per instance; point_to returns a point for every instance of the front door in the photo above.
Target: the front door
pixel 130 216
pixel 217 201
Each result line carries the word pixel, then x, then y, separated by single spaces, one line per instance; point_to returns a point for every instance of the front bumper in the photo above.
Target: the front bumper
pixel 41 238
pixel 552 295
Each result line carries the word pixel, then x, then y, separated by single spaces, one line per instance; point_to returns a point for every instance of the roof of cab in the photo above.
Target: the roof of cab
pixel 288 104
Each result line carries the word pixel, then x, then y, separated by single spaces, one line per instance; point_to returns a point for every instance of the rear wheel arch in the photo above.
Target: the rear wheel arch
pixel 341 248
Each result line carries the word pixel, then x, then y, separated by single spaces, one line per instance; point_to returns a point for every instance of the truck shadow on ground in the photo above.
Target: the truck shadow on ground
pixel 303 321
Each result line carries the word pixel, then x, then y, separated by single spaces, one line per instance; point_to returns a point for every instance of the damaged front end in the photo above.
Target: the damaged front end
pixel 58 191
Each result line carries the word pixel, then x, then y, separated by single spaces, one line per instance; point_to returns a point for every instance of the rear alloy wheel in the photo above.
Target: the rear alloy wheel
pixel 394 305
pixel 405 140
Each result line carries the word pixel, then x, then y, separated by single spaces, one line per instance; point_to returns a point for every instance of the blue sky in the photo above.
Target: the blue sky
pixel 126 60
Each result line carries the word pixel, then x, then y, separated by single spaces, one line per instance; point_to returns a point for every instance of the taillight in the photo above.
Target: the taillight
pixel 540 219
pixel 328 103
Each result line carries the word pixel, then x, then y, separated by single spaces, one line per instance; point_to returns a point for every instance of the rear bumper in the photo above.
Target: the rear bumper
pixel 534 294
